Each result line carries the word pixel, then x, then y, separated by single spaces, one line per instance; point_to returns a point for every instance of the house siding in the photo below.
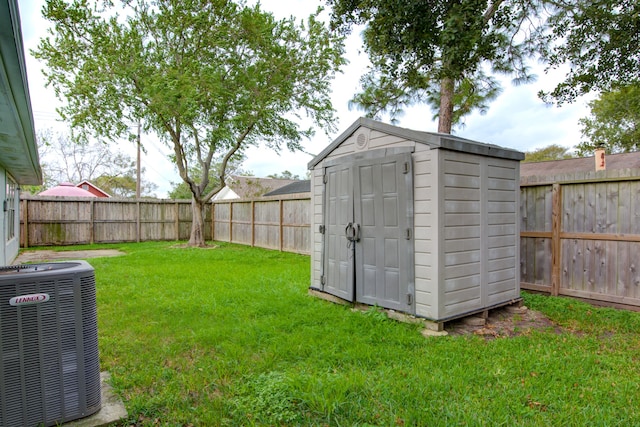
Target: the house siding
pixel 9 246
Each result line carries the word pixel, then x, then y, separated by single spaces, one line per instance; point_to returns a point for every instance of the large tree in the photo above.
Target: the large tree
pixel 614 122
pixel 443 52
pixel 598 39
pixel 210 77
pixel 438 52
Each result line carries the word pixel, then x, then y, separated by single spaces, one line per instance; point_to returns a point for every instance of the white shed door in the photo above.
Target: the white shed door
pixel 369 232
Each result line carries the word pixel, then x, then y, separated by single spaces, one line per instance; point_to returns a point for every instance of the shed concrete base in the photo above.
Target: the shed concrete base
pixel 112 410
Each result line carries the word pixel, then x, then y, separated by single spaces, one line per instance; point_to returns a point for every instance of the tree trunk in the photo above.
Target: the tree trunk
pixel 197 224
pixel 445 116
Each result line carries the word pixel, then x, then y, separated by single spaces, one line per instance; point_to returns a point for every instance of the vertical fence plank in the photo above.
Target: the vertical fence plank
pixel 253 223
pixel 138 222
pixel 230 222
pixel 92 225
pixel 280 228
pixel 26 223
pixel 213 221
pixel 556 227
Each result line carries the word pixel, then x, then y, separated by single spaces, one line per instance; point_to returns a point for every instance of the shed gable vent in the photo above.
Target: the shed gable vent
pixel 362 139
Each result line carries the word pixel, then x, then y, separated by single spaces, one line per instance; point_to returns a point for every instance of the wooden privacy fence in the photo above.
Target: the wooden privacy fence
pixel 281 224
pixel 580 236
pixel 72 221
pixel 274 223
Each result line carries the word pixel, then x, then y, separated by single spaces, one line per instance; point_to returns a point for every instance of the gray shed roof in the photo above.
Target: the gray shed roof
pixel 434 140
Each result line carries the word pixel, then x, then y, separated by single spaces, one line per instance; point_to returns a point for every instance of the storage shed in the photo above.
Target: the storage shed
pixel 418 222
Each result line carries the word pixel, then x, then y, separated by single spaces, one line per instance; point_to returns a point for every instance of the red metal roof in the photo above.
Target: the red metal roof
pixel 66 189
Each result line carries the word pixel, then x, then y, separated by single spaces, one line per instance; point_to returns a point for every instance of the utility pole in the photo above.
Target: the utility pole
pixel 138 165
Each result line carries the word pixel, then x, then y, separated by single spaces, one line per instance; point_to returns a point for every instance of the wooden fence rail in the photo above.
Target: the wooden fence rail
pixel 274 223
pixel 580 236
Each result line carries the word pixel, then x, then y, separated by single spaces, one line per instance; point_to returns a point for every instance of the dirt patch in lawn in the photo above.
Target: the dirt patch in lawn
pixel 48 255
pixel 188 246
pixel 503 322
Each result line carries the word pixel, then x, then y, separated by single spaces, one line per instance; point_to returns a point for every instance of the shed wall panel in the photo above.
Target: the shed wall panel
pixel 503 281
pixel 316 220
pixel 425 194
pixel 480 234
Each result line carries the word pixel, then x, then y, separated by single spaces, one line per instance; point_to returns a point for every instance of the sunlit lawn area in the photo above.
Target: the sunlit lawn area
pixel 229 336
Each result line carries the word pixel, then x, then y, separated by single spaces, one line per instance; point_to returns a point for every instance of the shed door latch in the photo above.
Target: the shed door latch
pixel 409 299
pixel 406 168
pixel 321 229
pixel 407 234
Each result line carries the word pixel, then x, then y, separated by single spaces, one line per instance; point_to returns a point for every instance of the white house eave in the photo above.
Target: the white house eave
pixel 18 149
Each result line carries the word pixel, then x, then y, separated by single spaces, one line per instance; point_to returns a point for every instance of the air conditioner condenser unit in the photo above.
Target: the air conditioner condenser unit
pixel 49 361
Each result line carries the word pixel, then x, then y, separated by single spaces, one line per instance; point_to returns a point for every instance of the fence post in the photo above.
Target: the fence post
pixel 556 246
pixel 177 221
pixel 26 222
pixel 138 222
pixel 281 221
pixel 213 221
pixel 230 222
pixel 253 223
pixel 92 222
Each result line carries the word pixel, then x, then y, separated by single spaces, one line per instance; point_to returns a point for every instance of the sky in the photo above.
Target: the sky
pixel 517 119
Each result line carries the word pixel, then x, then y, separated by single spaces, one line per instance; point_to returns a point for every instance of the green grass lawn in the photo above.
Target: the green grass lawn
pixel 229 336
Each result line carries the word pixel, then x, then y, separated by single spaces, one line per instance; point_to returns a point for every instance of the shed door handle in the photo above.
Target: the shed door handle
pixel 352 232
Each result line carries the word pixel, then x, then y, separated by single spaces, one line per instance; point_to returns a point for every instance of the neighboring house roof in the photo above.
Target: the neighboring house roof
pixel 434 140
pixel 18 149
pixel 93 189
pixel 226 194
pixel 66 189
pixel 247 187
pixel 302 186
pixel 580 164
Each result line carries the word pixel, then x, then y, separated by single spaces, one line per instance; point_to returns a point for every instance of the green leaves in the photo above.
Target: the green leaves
pixel 614 122
pixel 599 39
pixel 550 152
pixel 210 77
pixel 415 46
